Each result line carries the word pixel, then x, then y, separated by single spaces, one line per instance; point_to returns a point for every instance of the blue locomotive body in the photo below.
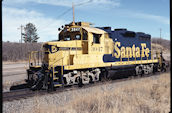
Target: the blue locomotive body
pixel 128 39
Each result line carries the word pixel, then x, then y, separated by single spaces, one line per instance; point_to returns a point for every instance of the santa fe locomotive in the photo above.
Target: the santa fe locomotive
pixel 85 54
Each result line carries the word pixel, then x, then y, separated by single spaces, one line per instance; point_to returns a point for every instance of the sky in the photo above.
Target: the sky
pixel 148 16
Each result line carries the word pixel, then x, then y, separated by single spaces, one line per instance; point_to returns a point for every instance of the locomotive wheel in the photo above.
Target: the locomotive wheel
pixel 80 84
pixel 140 71
pixel 159 68
pixel 146 72
pixel 91 79
pixel 103 75
pixel 164 67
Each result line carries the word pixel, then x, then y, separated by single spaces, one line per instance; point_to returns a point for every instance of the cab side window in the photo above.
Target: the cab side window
pixel 85 36
pixel 96 38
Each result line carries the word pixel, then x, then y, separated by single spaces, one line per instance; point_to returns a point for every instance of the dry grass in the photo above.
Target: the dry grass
pixel 150 95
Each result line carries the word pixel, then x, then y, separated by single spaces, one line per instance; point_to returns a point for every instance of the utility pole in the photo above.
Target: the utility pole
pixel 160 39
pixel 21 28
pixel 160 34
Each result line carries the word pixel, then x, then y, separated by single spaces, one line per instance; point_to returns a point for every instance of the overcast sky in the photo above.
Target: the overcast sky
pixel 48 15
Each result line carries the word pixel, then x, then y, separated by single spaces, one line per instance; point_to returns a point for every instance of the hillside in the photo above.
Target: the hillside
pixel 163 42
pixel 162 45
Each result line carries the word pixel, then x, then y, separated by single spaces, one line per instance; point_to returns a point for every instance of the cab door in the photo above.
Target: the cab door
pixel 84 42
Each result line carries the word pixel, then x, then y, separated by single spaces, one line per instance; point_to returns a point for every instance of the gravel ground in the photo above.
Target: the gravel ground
pixel 27 105
pixel 13 74
pixel 9 81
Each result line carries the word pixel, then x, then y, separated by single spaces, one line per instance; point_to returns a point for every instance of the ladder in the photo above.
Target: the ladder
pixel 57 76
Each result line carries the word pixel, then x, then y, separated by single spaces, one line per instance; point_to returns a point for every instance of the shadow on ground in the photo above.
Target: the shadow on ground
pixel 20 86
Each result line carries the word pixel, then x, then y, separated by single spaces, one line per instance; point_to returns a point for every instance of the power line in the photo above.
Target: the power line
pixel 66 11
pixel 62 14
pixel 70 9
pixel 79 4
pixel 83 3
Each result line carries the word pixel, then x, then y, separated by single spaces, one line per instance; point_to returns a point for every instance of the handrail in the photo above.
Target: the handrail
pixel 141 56
pixel 35 56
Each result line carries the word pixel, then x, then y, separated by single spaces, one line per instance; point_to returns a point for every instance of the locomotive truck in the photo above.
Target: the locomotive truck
pixel 84 54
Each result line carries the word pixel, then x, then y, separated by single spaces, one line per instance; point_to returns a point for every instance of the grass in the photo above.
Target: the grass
pixel 141 96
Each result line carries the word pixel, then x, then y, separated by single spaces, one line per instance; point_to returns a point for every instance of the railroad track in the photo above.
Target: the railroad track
pixel 13 74
pixel 26 93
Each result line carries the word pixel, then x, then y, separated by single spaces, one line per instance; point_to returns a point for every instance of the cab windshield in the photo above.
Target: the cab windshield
pixel 73 35
pixel 70 36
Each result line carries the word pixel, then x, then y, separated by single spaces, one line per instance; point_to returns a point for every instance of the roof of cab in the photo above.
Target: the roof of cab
pixel 94 30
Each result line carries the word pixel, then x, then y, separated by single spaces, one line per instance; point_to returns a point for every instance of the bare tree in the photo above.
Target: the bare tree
pixel 11 50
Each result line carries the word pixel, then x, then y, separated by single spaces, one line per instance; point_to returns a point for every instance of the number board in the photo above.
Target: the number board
pixel 74 29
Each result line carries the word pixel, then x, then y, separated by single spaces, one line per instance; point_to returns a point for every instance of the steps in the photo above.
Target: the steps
pixel 56 78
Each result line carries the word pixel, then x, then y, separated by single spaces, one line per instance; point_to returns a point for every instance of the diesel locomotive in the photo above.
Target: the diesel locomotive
pixel 84 54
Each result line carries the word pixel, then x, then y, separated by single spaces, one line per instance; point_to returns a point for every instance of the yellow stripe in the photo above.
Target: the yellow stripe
pixel 82 66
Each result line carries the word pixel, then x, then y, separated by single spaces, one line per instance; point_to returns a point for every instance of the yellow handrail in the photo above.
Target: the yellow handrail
pixel 53 71
pixel 34 56
pixel 62 67
pixel 141 56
